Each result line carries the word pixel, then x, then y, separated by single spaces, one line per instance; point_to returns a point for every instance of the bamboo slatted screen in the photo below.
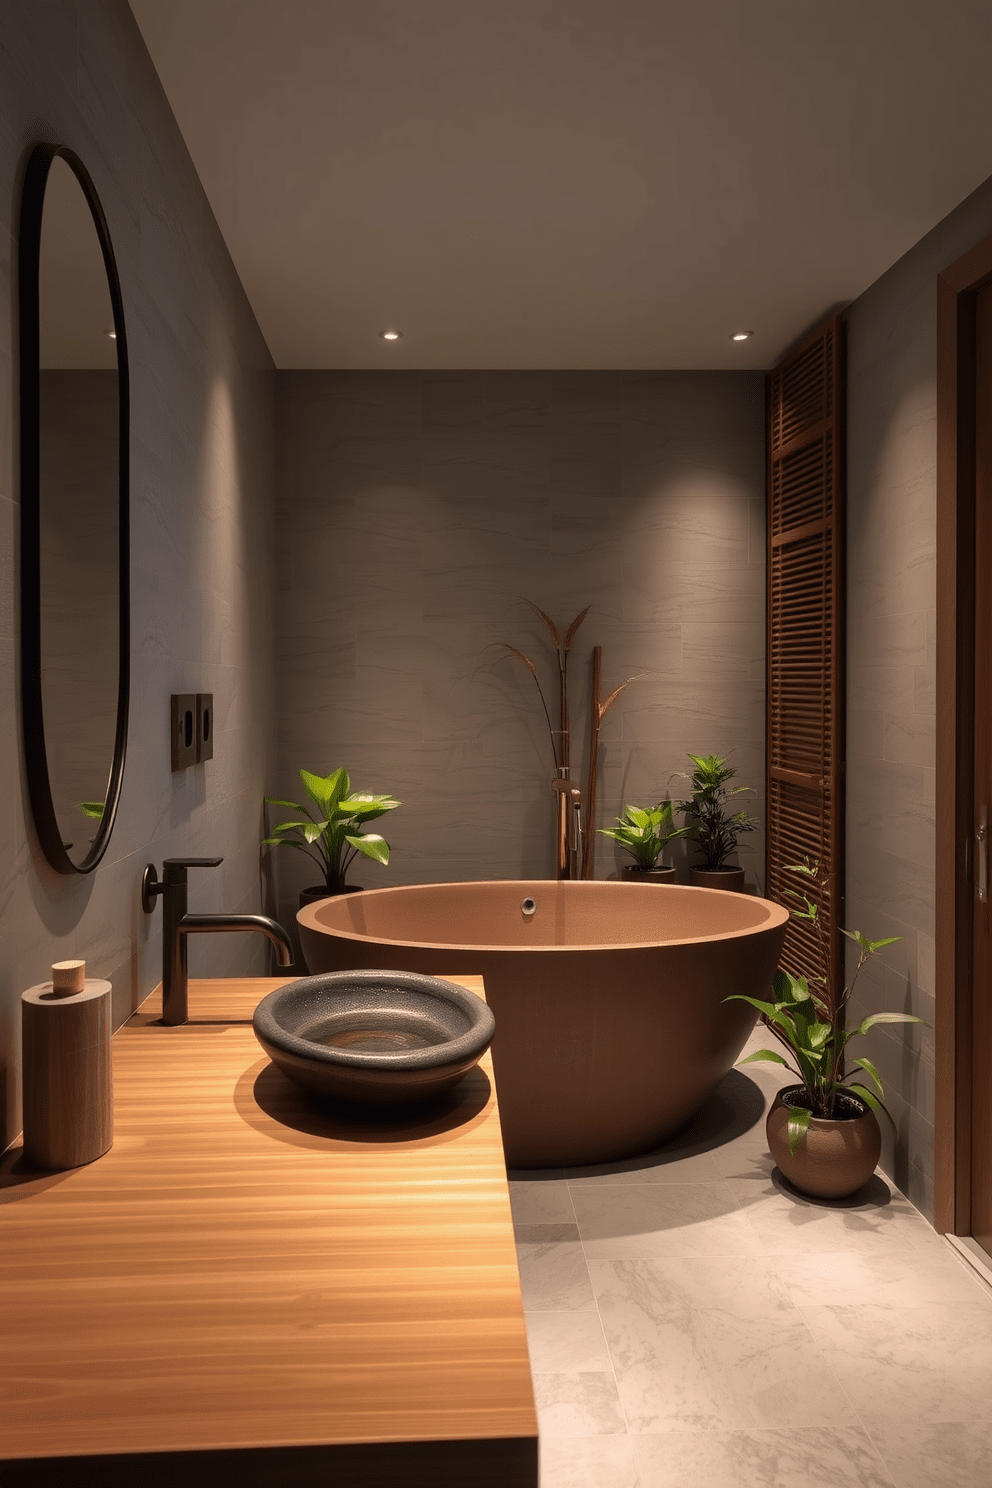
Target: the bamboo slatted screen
pixel 806 682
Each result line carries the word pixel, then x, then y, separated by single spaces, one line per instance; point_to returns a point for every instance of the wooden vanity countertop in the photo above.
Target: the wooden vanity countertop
pixel 311 1296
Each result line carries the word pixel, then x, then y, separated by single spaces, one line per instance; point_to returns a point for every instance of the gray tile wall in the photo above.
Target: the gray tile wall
pixel 202 520
pixel 891 712
pixel 417 514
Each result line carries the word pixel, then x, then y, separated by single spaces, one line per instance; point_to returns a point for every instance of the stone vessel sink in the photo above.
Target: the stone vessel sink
pixel 376 1038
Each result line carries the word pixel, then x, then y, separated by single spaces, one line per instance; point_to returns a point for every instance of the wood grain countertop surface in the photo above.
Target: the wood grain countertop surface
pixel 251 1274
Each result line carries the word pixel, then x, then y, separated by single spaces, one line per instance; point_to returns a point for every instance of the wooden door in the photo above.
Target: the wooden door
pixel 981 1042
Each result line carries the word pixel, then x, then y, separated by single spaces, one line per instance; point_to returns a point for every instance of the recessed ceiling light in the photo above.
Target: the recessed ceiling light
pixel 742 335
pixel 391 335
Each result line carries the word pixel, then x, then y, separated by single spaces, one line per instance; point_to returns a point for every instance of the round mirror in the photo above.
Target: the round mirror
pixel 74 512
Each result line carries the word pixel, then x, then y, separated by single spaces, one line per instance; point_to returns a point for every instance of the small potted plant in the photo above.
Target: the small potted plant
pixel 823 1132
pixel 715 829
pixel 645 832
pixel 335 833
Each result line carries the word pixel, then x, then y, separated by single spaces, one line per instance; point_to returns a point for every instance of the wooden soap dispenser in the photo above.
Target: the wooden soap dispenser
pixel 68 1081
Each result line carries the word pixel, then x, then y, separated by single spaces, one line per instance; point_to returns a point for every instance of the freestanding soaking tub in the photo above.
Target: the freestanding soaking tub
pixel 611 1024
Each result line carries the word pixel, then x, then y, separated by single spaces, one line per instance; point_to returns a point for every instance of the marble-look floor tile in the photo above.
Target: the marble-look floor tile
pixel 666 1167
pixel 888 1278
pixel 554 1276
pixel 588 1462
pixel 929 1363
pixel 706 1345
pixel 567 1343
pixel 541 1203
pixel 810 1457
pixel 786 1222
pixel 638 1221
pixel 954 1454
pixel 546 1234
pixel 578 1405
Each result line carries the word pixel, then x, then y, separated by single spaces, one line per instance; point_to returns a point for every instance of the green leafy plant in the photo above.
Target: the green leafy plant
pixel 92 809
pixel 811 1026
pixel 336 832
pixel 714 829
pixel 645 831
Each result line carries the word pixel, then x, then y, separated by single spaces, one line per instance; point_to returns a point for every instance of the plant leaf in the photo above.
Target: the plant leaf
pixel 275 801
pixel 372 845
pixel 871 1101
pixel 870 1069
pixel 550 625
pixel 605 707
pixel 874 1018
pixel 512 651
pixel 798 1126
pixel 764 1054
pixel 570 632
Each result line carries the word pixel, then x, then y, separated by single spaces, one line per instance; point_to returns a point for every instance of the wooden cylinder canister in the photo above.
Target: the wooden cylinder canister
pixel 68 1080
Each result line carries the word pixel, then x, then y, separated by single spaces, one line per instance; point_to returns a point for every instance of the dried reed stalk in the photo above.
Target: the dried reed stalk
pixel 597 712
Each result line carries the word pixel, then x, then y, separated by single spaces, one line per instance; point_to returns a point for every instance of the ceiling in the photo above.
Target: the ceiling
pixel 570 183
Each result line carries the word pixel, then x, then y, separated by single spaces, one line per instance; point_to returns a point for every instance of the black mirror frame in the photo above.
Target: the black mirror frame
pixel 35 755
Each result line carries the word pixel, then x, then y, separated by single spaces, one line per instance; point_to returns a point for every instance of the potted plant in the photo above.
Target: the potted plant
pixel 715 829
pixel 335 833
pixel 645 832
pixel 823 1132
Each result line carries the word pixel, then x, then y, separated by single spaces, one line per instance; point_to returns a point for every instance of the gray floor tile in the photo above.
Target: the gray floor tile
pixel 786 1222
pixel 541 1203
pixel 578 1405
pixel 808 1457
pixel 930 1363
pixel 670 1167
pixel 567 1343
pixel 886 1277
pixel 588 1462
pixel 639 1221
pixel 706 1345
pixel 954 1454
pixel 554 1276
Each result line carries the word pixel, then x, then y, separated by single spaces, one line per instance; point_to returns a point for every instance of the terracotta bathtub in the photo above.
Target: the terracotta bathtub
pixel 611 1024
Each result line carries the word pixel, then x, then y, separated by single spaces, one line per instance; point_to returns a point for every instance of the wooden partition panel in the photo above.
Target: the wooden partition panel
pixel 806 673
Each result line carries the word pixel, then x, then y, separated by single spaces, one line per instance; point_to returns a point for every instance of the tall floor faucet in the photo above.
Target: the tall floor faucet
pixel 177 924
pixel 569 830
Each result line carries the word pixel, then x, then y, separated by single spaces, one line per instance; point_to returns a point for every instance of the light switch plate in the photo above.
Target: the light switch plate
pixel 183 730
pixel 204 726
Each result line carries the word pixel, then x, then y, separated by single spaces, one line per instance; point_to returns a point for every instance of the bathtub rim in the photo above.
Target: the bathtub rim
pixel 779 915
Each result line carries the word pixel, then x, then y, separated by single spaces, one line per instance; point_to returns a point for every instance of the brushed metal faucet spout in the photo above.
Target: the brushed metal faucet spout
pixel 177 924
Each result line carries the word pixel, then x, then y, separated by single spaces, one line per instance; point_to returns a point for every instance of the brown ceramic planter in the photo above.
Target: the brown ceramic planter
pixel 658 874
pixel 835 1158
pixel 717 878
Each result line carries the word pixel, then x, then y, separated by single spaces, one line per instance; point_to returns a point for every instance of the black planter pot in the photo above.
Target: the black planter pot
pixel 658 874
pixel 321 891
pixel 717 878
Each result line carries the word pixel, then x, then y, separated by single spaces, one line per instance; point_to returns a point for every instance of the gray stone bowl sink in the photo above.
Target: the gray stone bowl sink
pixel 375 1038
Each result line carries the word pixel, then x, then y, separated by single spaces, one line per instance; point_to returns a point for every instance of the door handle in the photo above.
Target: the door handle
pixel 981 856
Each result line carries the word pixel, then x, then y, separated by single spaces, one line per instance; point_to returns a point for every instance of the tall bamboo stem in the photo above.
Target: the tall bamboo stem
pixel 595 719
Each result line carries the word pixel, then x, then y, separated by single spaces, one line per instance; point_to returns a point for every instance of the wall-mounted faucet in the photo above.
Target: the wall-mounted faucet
pixel 177 924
